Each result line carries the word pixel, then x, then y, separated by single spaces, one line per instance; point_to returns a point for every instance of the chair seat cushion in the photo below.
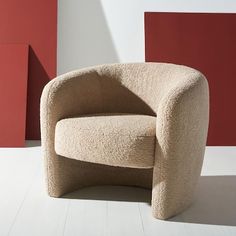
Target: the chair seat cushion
pixel 126 140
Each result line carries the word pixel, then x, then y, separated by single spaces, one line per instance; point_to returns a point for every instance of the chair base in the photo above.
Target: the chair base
pixel 68 175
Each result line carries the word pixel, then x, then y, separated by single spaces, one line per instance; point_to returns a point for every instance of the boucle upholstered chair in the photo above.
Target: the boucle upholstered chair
pixel 141 124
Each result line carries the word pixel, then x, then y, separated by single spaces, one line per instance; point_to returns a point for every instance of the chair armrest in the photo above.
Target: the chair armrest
pixel 181 131
pixel 182 113
pixel 71 94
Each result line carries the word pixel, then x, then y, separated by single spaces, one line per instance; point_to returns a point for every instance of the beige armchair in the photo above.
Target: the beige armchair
pixel 141 124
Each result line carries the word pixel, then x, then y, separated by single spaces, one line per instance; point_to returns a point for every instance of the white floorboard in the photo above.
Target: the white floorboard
pixel 39 214
pixel 26 210
pixel 124 219
pixel 85 217
pixel 18 170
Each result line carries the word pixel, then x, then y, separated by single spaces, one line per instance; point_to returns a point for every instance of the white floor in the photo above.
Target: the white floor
pixel 26 210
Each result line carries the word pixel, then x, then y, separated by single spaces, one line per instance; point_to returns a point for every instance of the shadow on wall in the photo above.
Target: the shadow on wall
pixel 84 38
pixel 214 204
pixel 37 79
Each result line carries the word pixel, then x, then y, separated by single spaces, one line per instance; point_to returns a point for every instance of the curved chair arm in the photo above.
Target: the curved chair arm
pixel 71 94
pixel 181 131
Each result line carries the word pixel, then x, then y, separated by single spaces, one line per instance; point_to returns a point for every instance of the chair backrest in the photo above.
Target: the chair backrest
pixel 139 87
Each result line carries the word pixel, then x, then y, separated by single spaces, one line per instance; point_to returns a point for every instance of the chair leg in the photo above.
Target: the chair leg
pixel 173 185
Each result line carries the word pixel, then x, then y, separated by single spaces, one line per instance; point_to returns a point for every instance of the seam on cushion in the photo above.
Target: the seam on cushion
pixel 138 136
pixel 125 135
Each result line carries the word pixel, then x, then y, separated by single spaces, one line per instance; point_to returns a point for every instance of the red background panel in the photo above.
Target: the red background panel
pixel 207 42
pixel 34 23
pixel 13 94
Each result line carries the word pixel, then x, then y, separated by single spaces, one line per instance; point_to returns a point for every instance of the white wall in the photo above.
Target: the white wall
pixel 93 32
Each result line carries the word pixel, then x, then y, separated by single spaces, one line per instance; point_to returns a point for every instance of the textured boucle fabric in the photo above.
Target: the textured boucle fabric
pixel 125 140
pixel 176 95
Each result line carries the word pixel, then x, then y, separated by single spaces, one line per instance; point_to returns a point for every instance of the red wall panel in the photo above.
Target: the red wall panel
pixel 13 94
pixel 33 23
pixel 207 42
